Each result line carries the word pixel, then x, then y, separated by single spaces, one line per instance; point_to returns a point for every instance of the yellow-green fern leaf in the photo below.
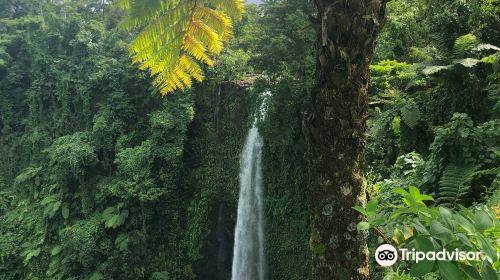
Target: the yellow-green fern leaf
pixel 178 35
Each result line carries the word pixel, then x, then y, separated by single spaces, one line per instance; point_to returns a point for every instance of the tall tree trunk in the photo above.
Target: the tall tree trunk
pixel 335 129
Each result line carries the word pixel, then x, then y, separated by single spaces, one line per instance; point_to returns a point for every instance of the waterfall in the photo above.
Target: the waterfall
pixel 249 258
pixel 217 101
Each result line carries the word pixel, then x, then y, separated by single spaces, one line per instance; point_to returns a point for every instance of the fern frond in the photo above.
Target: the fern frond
pixel 453 185
pixel 191 67
pixel 195 48
pixel 487 172
pixel 217 19
pixel 160 31
pixel 206 35
pixel 177 35
pixel 232 8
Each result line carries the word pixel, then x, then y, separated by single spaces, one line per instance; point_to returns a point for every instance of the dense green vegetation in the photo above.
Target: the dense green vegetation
pixel 102 178
pixel 435 126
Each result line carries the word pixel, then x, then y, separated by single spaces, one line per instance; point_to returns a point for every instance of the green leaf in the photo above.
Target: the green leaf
pixel 113 222
pixel 424 197
pixel 371 206
pixel 421 268
pixel 483 220
pixel 400 191
pixel 449 270
pixel 48 199
pixel 454 183
pixel 360 210
pixel 466 62
pixel 410 115
pixel 65 211
pixel 470 271
pixel 423 244
pixel 414 192
pixel 363 226
pixel 464 223
pixel 51 208
pixel 487 248
pixel 122 241
pixel 434 69
pixel 56 250
pixel 466 212
pixel 427 212
pixel 400 211
pixel 417 196
pixel 108 213
pixel 117 220
pixel 96 276
pixel 446 215
pixel 398 235
pixel 419 227
pixel 464 239
pixel 489 273
pixel 377 221
pixel 440 232
pixel 31 254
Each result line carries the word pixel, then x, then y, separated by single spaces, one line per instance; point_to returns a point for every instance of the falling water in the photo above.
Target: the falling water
pixel 217 112
pixel 249 259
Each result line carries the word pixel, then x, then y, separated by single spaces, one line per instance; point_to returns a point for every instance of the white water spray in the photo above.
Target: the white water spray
pixel 249 258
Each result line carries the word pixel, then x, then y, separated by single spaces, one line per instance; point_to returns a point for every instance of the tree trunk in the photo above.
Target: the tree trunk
pixel 335 129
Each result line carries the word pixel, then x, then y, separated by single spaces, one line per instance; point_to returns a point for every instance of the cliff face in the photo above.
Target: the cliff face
pixel 215 138
pixel 212 151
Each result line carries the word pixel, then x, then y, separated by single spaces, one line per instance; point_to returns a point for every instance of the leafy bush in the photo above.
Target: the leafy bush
pixel 71 154
pixel 473 149
pixel 391 75
pixel 464 45
pixel 414 225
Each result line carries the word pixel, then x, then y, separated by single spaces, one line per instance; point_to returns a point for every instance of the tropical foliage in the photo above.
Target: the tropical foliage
pixel 414 225
pixel 103 178
pixel 178 35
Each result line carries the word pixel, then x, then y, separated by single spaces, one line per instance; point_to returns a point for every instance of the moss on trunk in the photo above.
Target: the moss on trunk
pixel 335 129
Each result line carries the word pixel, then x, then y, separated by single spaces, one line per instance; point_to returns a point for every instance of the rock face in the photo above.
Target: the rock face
pixel 223 116
pixel 215 139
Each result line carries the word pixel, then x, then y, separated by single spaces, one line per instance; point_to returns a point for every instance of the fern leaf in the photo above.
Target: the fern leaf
pixel 453 185
pixel 486 172
pixel 411 115
pixel 232 8
pixel 179 35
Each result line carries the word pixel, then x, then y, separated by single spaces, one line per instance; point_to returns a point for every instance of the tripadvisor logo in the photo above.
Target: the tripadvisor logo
pixel 387 255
